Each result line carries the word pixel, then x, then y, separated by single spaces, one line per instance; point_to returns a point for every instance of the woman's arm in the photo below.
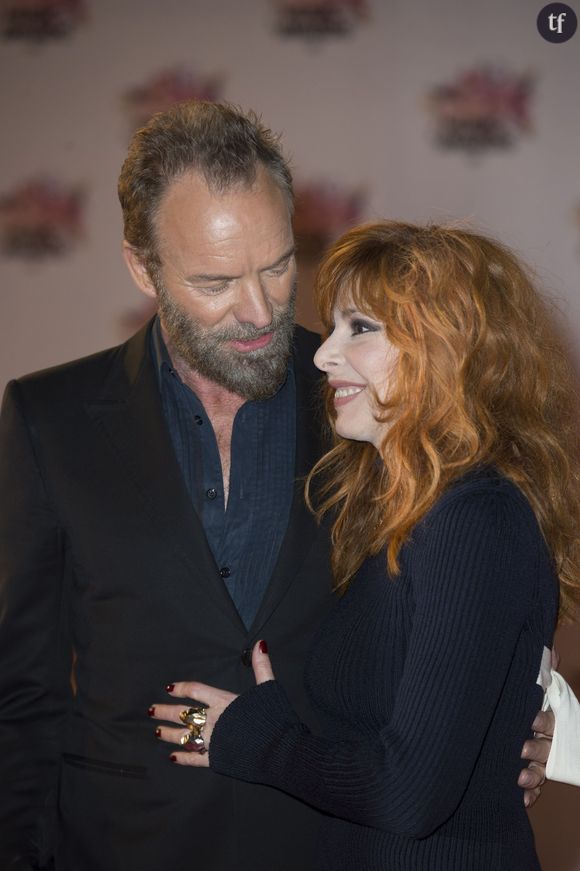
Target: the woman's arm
pixel 473 583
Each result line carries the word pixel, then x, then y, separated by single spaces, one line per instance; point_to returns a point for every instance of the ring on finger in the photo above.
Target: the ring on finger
pixel 194 717
pixel 193 740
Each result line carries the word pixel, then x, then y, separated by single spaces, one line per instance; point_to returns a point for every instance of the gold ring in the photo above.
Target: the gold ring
pixel 194 716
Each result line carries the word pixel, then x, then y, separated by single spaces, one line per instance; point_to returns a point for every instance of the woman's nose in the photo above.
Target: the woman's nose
pixel 325 357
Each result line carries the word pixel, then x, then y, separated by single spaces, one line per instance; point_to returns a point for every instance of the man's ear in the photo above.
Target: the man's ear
pixel 138 270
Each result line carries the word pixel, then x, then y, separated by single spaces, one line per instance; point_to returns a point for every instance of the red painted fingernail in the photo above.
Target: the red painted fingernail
pixel 263 645
pixel 158 731
pixel 151 711
pixel 170 687
pixel 173 758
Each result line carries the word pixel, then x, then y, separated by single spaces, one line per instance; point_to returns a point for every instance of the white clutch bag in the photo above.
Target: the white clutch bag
pixel 564 759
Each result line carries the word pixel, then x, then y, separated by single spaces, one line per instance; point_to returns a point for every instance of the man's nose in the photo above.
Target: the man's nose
pixel 253 306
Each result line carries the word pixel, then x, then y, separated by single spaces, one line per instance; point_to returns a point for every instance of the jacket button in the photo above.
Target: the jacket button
pixel 225 572
pixel 246 657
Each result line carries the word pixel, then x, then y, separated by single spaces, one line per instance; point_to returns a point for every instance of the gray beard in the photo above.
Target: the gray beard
pixel 255 374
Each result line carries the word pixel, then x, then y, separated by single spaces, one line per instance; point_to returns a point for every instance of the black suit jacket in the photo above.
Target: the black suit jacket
pixel 105 570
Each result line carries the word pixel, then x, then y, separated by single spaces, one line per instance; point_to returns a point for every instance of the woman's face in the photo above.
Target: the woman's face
pixel 358 360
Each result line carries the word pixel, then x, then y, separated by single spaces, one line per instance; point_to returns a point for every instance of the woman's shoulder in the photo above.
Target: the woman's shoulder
pixel 483 484
pixel 483 532
pixel 483 498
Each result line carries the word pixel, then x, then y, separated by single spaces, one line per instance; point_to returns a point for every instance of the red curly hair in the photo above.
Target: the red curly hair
pixel 480 379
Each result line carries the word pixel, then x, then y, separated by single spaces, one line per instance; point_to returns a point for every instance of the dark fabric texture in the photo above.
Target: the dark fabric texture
pixel 103 556
pixel 245 540
pixel 426 686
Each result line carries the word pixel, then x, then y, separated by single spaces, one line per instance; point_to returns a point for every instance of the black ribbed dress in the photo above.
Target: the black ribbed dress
pixel 425 685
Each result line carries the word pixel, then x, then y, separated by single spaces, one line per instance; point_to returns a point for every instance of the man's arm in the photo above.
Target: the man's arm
pixel 536 751
pixel 554 752
pixel 34 653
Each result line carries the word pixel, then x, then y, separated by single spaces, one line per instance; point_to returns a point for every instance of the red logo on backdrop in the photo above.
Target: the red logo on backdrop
pixel 37 20
pixel 323 211
pixel 317 18
pixel 166 88
pixel 483 108
pixel 41 218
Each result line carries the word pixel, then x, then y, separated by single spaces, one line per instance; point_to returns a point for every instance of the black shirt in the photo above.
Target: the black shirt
pixel 245 538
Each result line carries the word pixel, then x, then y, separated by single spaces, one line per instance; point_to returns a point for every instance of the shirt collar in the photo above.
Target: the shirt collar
pixel 159 351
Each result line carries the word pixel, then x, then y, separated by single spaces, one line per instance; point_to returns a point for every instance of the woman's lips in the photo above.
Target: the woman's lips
pixel 252 344
pixel 345 393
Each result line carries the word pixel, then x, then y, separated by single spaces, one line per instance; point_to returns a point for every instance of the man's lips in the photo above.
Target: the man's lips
pixel 345 391
pixel 252 344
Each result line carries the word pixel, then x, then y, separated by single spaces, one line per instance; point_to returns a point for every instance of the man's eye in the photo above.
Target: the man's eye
pixel 213 288
pixel 280 270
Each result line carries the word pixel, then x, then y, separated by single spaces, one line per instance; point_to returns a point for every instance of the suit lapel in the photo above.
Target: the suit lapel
pixel 302 530
pixel 130 414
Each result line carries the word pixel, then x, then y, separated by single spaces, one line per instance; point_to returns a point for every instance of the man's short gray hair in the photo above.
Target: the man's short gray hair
pixel 221 142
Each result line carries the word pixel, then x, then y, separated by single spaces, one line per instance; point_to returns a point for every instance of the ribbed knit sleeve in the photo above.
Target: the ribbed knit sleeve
pixel 473 567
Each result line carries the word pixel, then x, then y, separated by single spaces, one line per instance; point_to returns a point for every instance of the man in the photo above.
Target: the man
pixel 154 525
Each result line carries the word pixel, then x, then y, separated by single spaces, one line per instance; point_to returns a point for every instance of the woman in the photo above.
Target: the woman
pixel 455 498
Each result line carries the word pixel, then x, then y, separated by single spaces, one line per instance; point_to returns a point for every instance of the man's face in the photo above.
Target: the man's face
pixel 227 282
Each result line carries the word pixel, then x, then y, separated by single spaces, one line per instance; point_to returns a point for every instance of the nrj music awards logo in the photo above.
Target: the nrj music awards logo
pixel 37 20
pixel 482 109
pixel 42 217
pixel 324 210
pixel 167 87
pixel 318 18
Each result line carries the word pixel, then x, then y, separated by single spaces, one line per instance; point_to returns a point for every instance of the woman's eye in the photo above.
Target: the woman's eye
pixel 358 327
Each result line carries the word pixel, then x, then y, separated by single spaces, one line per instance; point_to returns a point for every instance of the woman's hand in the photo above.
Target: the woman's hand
pixel 213 700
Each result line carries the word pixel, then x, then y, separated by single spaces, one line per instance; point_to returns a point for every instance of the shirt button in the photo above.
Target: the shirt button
pixel 211 493
pixel 198 419
pixel 225 572
pixel 246 657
